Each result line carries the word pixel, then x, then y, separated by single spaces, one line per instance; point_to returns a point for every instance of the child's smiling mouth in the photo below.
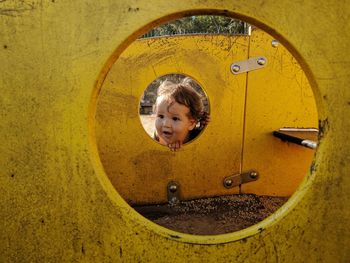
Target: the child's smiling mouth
pixel 167 134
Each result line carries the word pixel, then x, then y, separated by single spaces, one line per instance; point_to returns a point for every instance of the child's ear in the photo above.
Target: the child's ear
pixel 192 124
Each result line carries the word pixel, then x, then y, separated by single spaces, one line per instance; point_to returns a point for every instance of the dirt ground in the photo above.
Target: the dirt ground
pixel 215 215
pixel 210 216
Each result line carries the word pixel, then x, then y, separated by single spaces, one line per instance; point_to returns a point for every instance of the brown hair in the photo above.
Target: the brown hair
pixel 183 93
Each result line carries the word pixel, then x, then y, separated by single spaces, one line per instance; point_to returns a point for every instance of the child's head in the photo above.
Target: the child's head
pixel 178 109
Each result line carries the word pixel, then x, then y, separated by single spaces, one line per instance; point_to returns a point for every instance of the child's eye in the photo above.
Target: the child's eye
pixel 161 116
pixel 176 119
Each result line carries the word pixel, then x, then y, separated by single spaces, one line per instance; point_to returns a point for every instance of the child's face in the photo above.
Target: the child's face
pixel 172 123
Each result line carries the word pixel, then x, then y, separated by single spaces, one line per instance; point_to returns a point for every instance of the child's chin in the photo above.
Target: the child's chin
pixel 165 141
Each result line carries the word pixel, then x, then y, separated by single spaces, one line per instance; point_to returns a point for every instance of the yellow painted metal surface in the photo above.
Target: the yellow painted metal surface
pixel 57 204
pixel 139 167
pixel 278 96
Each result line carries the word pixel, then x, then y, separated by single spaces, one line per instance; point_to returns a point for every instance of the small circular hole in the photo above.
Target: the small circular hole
pixel 174 109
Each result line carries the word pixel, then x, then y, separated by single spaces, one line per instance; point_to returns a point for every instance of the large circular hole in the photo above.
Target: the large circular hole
pixel 253 154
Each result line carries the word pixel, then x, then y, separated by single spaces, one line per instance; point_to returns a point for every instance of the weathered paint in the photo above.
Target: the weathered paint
pixel 56 202
pixel 279 95
pixel 141 168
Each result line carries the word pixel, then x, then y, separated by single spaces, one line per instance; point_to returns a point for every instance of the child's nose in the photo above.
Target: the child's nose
pixel 167 122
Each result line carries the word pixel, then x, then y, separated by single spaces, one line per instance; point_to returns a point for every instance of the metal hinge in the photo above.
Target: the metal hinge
pixel 248 65
pixel 242 178
pixel 173 189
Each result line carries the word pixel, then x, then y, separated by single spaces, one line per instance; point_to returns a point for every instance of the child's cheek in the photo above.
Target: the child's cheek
pixel 157 124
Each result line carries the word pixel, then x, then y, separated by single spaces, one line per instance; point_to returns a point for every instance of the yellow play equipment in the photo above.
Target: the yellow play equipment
pixel 57 202
pixel 245 109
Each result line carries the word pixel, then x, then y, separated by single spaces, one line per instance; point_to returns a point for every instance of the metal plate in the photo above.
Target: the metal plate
pixel 248 65
pixel 173 190
pixel 238 179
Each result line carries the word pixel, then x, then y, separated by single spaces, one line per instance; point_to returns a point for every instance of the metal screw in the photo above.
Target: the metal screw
pixel 228 182
pixel 235 68
pixel 253 175
pixel 174 201
pixel 173 188
pixel 261 61
pixel 275 43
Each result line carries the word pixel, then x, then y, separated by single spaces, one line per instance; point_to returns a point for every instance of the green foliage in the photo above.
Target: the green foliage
pixel 200 24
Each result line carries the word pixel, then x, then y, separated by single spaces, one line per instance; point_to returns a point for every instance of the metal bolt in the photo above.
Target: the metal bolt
pixel 228 182
pixel 235 68
pixel 173 188
pixel 253 175
pixel 275 43
pixel 261 61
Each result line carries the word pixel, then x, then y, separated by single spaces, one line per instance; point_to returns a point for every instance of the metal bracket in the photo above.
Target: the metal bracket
pixel 173 189
pixel 302 136
pixel 248 65
pixel 238 179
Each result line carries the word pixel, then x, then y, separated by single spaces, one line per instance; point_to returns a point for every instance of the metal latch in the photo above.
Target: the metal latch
pixel 173 189
pixel 248 65
pixel 242 178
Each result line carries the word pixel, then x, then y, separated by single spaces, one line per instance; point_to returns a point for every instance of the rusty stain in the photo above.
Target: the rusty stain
pixel 323 126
